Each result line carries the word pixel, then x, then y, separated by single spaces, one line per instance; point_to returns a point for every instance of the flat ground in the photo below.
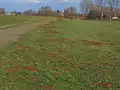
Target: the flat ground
pixel 12 21
pixel 6 20
pixel 65 55
pixel 9 35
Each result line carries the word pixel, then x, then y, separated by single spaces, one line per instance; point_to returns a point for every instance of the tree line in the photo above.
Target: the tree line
pixel 99 9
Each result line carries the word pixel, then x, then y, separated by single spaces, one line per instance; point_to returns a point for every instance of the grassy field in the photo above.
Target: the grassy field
pixel 65 55
pixel 14 21
pixel 9 20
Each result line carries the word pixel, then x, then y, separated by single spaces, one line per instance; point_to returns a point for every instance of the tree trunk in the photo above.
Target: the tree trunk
pixel 110 17
pixel 115 15
pixel 111 13
pixel 102 15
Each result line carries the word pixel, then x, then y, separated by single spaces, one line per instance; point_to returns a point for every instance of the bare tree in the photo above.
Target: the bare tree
pixel 110 4
pixel 113 5
pixel 86 6
pixel 101 5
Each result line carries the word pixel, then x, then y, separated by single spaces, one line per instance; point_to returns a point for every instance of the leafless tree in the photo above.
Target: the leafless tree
pixel 101 5
pixel 85 6
pixel 113 5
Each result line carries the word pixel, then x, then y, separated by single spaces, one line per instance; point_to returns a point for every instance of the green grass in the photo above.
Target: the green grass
pixel 14 21
pixel 40 62
pixel 7 20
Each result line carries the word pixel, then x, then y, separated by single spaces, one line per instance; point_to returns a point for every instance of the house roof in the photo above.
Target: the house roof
pixel 1 9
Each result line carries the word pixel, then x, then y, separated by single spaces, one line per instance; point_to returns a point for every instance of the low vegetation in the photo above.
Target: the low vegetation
pixel 8 20
pixel 64 55
pixel 14 21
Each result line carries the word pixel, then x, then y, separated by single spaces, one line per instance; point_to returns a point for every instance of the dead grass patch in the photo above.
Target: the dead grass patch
pixel 88 42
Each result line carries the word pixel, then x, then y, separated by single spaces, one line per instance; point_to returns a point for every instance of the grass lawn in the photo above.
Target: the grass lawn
pixel 14 21
pixel 9 20
pixel 65 55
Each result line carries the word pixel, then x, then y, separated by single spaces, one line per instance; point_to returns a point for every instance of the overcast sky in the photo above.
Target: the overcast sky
pixel 21 5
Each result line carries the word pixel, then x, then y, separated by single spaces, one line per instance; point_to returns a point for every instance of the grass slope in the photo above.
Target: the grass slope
pixel 65 55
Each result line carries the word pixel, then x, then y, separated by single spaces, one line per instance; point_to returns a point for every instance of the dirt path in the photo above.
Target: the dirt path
pixel 10 35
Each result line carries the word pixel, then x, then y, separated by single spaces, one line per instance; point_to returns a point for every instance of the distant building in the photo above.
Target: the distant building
pixel 69 12
pixel 2 11
pixel 18 13
pixel 62 14
pixel 34 13
pixel 45 11
pixel 28 12
pixel 8 13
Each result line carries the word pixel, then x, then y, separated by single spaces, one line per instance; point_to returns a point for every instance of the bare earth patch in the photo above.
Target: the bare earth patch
pixel 95 43
pixel 10 35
